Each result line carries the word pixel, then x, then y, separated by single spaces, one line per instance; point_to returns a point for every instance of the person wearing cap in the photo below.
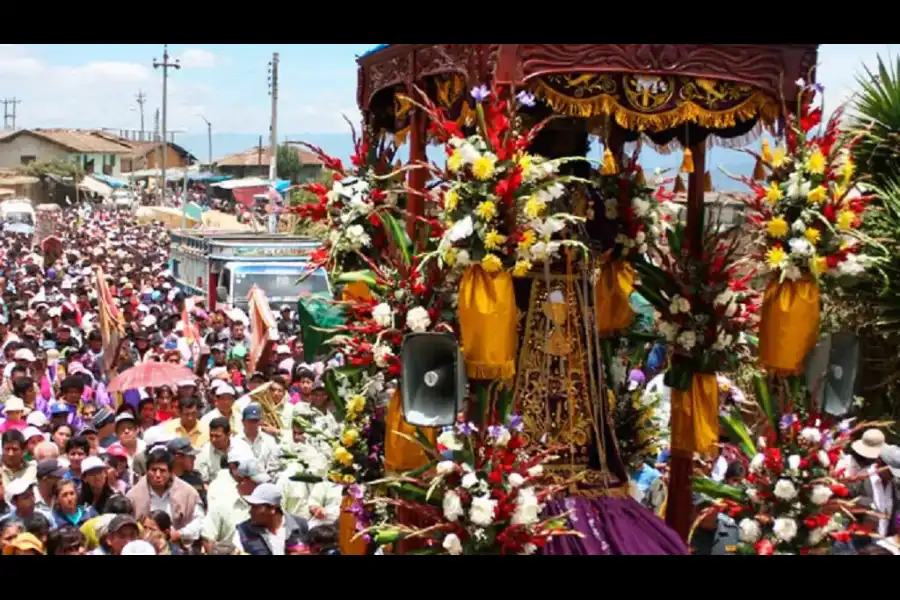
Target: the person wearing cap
pixel 24 544
pixel 14 465
pixel 33 436
pixel 105 424
pixel 138 548
pixel 14 411
pixel 121 531
pixel 226 513
pixel 183 456
pixel 269 531
pixel 21 496
pixel 264 446
pixel 126 432
pixel 159 489
pixel 187 424
pixel 48 473
pixel 95 489
pixel 224 401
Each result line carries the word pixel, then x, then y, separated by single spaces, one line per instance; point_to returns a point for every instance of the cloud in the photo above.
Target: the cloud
pixel 196 58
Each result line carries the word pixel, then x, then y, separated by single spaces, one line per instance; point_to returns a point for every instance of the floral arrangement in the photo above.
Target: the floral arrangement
pixel 703 307
pixel 500 205
pixel 639 416
pixel 487 499
pixel 808 210
pixel 795 497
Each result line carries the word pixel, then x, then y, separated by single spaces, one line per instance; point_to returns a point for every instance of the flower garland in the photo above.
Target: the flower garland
pixel 501 204
pixel 487 499
pixel 809 213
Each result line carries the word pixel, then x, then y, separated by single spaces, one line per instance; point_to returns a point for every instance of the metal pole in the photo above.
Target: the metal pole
pixel 184 200
pixel 165 65
pixel 208 138
pixel 273 152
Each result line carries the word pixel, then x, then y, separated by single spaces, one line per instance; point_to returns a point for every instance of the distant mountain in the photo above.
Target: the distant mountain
pixel 340 145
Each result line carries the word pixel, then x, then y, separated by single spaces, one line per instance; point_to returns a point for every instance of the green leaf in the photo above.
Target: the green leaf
pixel 331 388
pixel 396 233
pixel 764 399
pixel 739 432
pixel 366 276
pixel 714 489
pixel 306 478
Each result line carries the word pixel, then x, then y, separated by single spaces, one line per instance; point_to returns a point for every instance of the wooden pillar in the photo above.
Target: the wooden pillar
pixel 418 140
pixel 680 502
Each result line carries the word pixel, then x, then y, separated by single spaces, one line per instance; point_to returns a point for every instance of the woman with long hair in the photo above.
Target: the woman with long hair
pixel 95 488
pixel 66 510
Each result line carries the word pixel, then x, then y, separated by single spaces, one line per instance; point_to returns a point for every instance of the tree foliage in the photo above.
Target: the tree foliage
pixel 288 166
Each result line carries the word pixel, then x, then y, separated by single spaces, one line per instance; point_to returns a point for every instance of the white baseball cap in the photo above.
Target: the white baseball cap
pixel 31 432
pixel 14 404
pixel 223 389
pixel 265 493
pixel 24 354
pixel 36 418
pixel 91 463
pixel 138 548
pixel 19 486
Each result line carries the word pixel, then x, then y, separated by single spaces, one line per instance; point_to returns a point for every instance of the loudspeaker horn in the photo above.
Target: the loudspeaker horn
pixel 433 379
pixel 831 369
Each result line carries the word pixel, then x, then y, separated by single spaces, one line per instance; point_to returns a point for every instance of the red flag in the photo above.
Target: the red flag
pixel 112 324
pixel 261 321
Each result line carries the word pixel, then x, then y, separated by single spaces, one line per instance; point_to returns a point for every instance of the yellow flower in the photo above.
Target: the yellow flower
pixel 486 210
pixel 491 263
pixel 525 164
pixel 845 219
pixel 350 437
pixel 778 157
pixel 817 195
pixel 775 256
pixel 483 168
pixel 349 479
pixel 774 193
pixel 818 265
pixel 813 235
pixel 815 164
pixel 494 239
pixel 450 257
pixel 335 477
pixel 455 161
pixel 451 200
pixel 777 227
pixel 839 191
pixel 534 208
pixel 355 405
pixel 521 269
pixel 343 456
pixel 847 170
pixel 527 239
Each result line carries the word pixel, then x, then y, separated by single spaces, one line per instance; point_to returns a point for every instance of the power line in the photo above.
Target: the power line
pixel 165 65
pixel 9 116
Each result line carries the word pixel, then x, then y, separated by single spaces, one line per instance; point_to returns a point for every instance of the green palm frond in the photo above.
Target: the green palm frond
pixel 876 111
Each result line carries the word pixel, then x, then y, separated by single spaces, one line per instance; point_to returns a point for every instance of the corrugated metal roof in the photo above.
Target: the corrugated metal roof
pixel 251 157
pixel 377 48
pixel 79 140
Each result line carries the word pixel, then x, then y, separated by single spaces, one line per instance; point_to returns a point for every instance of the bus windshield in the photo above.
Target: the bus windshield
pixel 278 282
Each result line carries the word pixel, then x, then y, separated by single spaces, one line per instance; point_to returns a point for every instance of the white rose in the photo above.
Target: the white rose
pixel 536 471
pixel 482 511
pixel 668 330
pixel 469 480
pixel 529 549
pixel 357 237
pixel 449 440
pixel 528 509
pixel 823 458
pixel 820 494
pixel 793 462
pixel 462 258
pixel 752 495
pixel 687 339
pixel 381 353
pixel 640 207
pixel 785 490
pixel 461 230
pixel 761 443
pixel 816 536
pixel 502 439
pixel 452 544
pixel 417 319
pixel 452 505
pixel 750 531
pixel 383 315
pixel 811 435
pixel 515 480
pixel 785 529
pixel 446 466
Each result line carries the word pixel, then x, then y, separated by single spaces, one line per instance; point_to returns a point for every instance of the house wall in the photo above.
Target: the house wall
pixel 107 164
pixel 20 149
pixel 307 172
pixel 153 160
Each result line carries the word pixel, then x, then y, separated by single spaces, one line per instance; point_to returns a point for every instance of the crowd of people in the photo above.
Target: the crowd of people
pixel 194 467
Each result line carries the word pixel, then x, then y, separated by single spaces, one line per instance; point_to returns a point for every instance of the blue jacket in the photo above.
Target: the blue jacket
pixel 254 543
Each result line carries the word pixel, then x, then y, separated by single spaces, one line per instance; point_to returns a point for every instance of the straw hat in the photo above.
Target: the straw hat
pixel 23 541
pixel 870 445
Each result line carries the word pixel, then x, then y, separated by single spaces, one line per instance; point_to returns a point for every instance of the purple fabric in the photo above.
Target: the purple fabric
pixel 132 398
pixel 614 526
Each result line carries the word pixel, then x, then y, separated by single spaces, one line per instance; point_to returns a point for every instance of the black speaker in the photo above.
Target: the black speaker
pixel 831 372
pixel 433 380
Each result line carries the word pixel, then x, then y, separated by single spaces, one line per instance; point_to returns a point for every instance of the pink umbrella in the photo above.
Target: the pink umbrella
pixel 150 375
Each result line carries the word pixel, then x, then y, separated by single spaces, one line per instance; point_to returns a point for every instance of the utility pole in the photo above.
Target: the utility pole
pixel 10 116
pixel 165 65
pixel 141 98
pixel 273 157
pixel 208 139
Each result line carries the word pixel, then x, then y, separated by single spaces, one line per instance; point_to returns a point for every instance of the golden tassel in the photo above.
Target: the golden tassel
pixel 759 172
pixel 679 186
pixel 639 179
pixel 707 182
pixel 687 163
pixel 766 152
pixel 609 163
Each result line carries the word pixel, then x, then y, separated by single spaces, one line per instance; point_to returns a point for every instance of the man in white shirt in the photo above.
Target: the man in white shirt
pixel 227 511
pixel 215 451
pixel 225 395
pixel 264 446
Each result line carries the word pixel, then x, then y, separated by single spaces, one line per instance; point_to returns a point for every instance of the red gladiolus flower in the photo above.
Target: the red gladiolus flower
pixel 841 491
pixel 764 548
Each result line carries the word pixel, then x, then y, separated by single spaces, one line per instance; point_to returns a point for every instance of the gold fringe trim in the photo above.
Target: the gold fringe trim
pixel 491 370
pixel 759 104
pixel 678 188
pixel 687 163
pixel 707 182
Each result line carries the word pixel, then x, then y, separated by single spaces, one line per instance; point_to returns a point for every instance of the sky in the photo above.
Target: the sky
pixel 95 86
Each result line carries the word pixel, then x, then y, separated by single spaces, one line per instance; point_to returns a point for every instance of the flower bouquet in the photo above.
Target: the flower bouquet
pixel 486 499
pixel 795 498
pixel 808 212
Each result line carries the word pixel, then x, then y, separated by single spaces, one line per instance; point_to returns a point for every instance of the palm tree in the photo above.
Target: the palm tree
pixel 876 114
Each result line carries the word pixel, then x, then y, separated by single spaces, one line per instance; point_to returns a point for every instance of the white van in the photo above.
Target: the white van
pixel 17 216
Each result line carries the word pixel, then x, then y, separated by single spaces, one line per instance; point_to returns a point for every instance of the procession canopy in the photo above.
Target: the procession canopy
pixel 668 92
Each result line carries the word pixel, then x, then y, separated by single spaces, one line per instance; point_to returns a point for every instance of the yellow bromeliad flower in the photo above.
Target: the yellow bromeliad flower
pixel 817 195
pixel 525 163
pixel 355 405
pixel 350 437
pixel 455 161
pixel 343 456
pixel 527 240
pixel 815 164
pixel 534 208
pixel 778 157
pixel 491 263
pixel 494 239
pixel 335 477
pixel 521 269
pixel 486 210
pixel 483 168
pixel 349 479
pixel 449 256
pixel 846 219
pixel 818 265
pixel 839 191
pixel 775 256
pixel 774 193
pixel 813 235
pixel 777 228
pixel 451 200
pixel 847 170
